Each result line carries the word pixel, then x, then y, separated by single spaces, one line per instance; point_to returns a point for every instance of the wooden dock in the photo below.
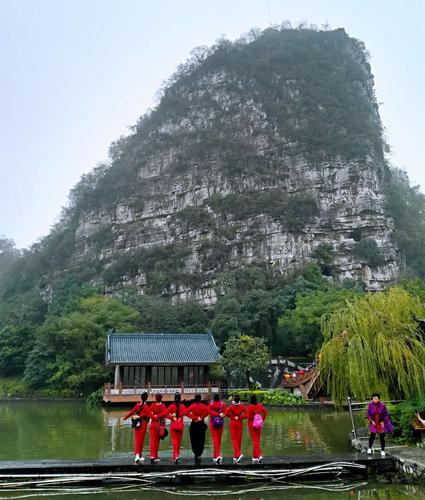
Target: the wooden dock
pixel 94 472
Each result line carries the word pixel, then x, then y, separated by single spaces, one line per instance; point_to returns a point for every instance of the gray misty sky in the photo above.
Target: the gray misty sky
pixel 74 74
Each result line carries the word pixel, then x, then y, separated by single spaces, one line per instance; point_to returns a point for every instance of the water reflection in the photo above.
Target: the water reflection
pixel 71 430
pixel 331 490
pixel 285 433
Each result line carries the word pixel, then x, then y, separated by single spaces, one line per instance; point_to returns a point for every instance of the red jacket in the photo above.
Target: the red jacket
pixel 138 408
pixel 156 412
pixel 216 407
pixel 253 410
pixel 172 409
pixel 236 411
pixel 197 410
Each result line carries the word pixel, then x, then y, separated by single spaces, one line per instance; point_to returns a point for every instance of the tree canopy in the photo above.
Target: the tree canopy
pixel 244 356
pixel 374 344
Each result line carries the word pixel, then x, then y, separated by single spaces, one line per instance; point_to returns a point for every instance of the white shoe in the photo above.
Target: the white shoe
pixel 382 453
pixel 369 451
pixel 255 460
pixel 235 459
pixel 260 459
pixel 137 459
pixel 240 457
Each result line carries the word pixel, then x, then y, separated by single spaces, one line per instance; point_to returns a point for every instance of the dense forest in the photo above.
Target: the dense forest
pixel 54 312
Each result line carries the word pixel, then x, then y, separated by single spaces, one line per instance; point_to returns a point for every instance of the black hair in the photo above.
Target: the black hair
pixel 253 399
pixel 197 398
pixel 236 398
pixel 144 396
pixel 216 397
pixel 376 394
pixel 177 399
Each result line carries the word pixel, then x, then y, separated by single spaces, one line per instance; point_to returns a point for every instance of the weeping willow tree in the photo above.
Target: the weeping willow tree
pixel 374 344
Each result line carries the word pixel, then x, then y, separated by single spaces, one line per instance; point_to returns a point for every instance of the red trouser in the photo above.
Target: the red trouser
pixel 176 441
pixel 236 428
pixel 216 433
pixel 255 436
pixel 139 437
pixel 154 440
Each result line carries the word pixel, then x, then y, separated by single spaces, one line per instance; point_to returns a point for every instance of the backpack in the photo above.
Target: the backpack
pixel 218 421
pixel 258 422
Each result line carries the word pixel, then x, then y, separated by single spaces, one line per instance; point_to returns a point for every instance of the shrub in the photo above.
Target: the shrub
pixel 95 398
pixel 403 414
pixel 272 397
pixel 367 250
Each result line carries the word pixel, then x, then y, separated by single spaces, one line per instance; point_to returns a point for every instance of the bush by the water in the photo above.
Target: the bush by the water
pixel 403 414
pixel 274 397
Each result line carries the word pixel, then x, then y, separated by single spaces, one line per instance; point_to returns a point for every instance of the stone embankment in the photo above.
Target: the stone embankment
pixel 408 461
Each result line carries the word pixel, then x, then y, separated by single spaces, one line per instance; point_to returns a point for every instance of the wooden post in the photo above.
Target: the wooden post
pixel 117 378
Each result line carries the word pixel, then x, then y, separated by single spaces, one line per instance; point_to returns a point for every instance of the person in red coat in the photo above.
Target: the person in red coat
pixel 197 412
pixel 236 413
pixel 139 422
pixel 156 413
pixel 217 411
pixel 175 413
pixel 256 415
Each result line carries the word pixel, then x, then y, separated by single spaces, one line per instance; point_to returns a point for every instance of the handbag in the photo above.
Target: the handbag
pixel 162 431
pixel 135 421
pixel 218 421
pixel 258 422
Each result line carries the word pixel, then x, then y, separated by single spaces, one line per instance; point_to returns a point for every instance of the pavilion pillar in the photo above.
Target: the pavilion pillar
pixel 117 378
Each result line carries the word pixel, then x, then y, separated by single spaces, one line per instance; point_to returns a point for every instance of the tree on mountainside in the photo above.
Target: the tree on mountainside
pixel 299 332
pixel 406 204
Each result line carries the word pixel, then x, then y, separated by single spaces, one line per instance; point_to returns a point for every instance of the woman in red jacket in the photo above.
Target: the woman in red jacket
pixel 139 422
pixel 156 413
pixel 197 411
pixel 236 413
pixel 256 415
pixel 217 411
pixel 175 413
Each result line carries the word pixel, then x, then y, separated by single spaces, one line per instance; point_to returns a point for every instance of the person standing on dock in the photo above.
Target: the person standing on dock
pixel 256 415
pixel 379 422
pixel 236 413
pixel 139 422
pixel 157 412
pixel 175 413
pixel 217 411
pixel 197 412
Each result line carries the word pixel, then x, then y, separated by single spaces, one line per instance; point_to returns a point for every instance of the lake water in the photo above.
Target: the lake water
pixel 71 430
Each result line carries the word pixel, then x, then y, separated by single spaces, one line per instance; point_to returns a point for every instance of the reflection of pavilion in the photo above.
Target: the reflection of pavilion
pixel 307 433
pixel 159 363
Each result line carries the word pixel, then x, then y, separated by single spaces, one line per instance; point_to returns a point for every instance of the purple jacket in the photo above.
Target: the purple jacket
pixel 379 413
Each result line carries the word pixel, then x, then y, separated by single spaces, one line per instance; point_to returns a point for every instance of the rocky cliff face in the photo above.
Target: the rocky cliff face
pixel 268 152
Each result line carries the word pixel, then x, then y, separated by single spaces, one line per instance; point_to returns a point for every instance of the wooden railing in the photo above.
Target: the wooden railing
pixel 122 393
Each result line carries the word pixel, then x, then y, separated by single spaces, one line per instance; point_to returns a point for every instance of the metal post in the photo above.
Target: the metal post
pixel 352 417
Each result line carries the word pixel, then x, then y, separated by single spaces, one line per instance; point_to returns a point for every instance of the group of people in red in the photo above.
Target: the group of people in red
pixel 157 413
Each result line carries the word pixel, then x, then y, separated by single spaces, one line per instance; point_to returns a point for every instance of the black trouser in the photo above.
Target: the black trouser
pixel 197 437
pixel 381 438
